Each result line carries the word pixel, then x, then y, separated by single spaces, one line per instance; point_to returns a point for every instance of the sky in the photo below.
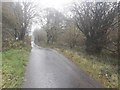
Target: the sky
pixel 57 4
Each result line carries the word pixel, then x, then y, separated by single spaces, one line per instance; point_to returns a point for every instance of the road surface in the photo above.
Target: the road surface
pixel 49 69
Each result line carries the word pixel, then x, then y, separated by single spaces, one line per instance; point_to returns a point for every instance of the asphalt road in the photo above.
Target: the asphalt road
pixel 49 69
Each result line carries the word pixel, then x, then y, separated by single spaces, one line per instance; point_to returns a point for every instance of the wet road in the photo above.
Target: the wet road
pixel 49 69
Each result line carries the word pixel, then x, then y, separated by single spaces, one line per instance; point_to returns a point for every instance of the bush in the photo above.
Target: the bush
pixel 9 43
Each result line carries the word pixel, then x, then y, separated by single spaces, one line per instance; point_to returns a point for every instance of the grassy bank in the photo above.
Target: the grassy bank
pixel 13 67
pixel 102 68
pixel 0 70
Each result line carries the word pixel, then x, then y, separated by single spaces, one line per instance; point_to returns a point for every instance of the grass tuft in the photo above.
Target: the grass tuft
pixel 13 67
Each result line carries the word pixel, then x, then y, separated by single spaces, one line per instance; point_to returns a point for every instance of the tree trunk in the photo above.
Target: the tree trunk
pixel 48 38
pixel 22 34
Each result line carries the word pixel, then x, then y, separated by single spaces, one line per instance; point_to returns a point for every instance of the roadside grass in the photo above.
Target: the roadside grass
pixel 13 67
pixel 102 68
pixel 0 70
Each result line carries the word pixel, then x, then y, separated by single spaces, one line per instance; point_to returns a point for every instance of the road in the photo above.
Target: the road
pixel 49 69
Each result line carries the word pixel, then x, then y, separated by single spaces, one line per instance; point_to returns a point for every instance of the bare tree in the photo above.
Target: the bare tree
pixel 54 23
pixel 94 20
pixel 17 17
pixel 71 33
pixel 9 21
pixel 29 13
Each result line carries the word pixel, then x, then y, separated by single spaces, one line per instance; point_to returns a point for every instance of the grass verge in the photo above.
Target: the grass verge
pixel 0 70
pixel 102 68
pixel 13 67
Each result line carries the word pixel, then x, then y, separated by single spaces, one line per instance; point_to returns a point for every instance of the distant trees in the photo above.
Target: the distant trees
pixel 39 36
pixel 94 20
pixel 54 23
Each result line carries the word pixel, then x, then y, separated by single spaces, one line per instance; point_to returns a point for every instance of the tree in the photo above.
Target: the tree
pixel 118 44
pixel 10 24
pixel 94 20
pixel 71 33
pixel 29 13
pixel 16 19
pixel 54 23
pixel 1 27
pixel 18 16
pixel 39 36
